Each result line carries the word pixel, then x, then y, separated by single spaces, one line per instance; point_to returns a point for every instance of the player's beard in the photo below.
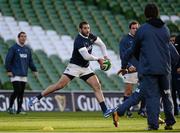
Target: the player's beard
pixel 84 34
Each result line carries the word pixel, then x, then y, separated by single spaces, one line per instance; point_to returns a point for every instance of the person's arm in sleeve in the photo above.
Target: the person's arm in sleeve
pixel 122 51
pixel 125 55
pixel 8 61
pixel 175 58
pixel 174 55
pixel 84 53
pixel 102 46
pixel 130 52
pixel 134 50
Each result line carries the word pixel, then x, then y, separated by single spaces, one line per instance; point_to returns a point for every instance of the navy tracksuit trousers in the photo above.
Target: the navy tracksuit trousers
pixel 152 87
pixel 175 90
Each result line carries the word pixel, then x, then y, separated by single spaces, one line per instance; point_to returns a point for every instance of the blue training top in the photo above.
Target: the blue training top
pixel 81 42
pixel 126 43
pixel 18 60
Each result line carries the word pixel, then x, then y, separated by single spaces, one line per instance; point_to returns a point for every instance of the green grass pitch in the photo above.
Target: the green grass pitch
pixel 73 122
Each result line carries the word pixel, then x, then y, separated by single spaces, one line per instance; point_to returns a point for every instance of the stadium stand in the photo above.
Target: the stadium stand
pixel 51 26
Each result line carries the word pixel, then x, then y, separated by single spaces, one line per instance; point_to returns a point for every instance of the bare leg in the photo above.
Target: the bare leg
pixel 62 82
pixel 95 84
pixel 128 89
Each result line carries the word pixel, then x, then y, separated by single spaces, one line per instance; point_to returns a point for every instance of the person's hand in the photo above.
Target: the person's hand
pixel 178 70
pixel 35 74
pixel 132 69
pixel 10 74
pixel 106 58
pixel 100 61
pixel 122 71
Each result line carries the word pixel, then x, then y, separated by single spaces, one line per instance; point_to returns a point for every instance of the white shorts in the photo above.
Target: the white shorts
pixel 77 71
pixel 130 78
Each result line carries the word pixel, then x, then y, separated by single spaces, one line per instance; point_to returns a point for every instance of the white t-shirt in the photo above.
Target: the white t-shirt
pixel 18 78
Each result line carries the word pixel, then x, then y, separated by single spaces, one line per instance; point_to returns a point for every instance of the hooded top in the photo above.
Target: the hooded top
pixel 151 48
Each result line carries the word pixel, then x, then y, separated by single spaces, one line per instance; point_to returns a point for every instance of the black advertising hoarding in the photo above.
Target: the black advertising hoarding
pixel 53 102
pixel 87 101
pixel 64 101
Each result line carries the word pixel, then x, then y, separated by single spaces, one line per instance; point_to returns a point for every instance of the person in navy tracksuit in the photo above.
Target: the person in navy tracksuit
pixel 130 79
pixel 151 48
pixel 137 96
pixel 17 61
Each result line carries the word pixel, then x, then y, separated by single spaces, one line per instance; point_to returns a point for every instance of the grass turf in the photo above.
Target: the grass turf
pixel 73 122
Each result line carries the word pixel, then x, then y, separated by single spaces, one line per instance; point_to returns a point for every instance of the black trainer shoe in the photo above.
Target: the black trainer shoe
pixel 21 112
pixel 150 128
pixel 168 127
pixel 10 111
pixel 129 114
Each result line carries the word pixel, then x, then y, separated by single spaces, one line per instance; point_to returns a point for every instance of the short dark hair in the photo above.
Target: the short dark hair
pixel 21 33
pixel 133 23
pixel 151 11
pixel 83 23
pixel 172 35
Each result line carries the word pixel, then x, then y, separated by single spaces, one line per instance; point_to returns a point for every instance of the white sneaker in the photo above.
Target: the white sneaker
pixel 22 113
pixel 32 101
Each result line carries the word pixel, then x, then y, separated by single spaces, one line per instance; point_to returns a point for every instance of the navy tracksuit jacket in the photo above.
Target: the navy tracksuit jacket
pixel 18 59
pixel 126 43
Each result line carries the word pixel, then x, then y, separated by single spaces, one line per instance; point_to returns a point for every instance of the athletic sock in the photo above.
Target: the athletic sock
pixel 39 96
pixel 103 106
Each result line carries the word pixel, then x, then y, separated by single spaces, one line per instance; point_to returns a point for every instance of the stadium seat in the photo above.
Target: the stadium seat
pixel 4 79
pixel 5 8
pixel 33 82
pixel 107 83
pixel 3 50
pixel 17 10
pixel 59 65
pixel 118 81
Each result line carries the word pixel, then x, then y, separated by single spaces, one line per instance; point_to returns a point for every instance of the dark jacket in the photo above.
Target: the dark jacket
pixel 151 48
pixel 177 43
pixel 175 58
pixel 126 43
pixel 18 60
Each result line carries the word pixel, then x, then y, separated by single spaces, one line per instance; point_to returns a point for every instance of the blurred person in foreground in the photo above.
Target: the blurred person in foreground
pixel 175 41
pixel 130 79
pixel 152 50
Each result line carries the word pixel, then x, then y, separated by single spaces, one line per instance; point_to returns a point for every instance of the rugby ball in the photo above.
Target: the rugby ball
pixel 106 65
